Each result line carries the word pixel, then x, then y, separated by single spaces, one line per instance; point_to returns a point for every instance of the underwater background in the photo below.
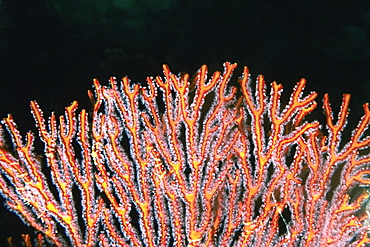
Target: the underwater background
pixel 50 50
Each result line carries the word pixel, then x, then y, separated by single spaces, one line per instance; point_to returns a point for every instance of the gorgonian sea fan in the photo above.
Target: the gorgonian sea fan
pixel 185 162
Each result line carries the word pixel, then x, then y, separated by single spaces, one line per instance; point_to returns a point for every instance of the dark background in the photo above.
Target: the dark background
pixel 50 50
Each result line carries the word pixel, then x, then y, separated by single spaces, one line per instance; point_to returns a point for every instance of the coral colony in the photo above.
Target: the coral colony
pixel 183 162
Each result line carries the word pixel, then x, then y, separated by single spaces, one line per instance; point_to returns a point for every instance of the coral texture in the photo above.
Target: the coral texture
pixel 183 162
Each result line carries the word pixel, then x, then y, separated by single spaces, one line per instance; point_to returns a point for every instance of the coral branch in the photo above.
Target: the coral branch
pixel 183 162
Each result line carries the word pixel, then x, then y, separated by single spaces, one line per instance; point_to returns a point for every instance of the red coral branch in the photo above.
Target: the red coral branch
pixel 187 163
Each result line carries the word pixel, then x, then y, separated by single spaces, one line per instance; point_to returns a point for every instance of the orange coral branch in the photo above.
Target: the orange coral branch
pixel 186 163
